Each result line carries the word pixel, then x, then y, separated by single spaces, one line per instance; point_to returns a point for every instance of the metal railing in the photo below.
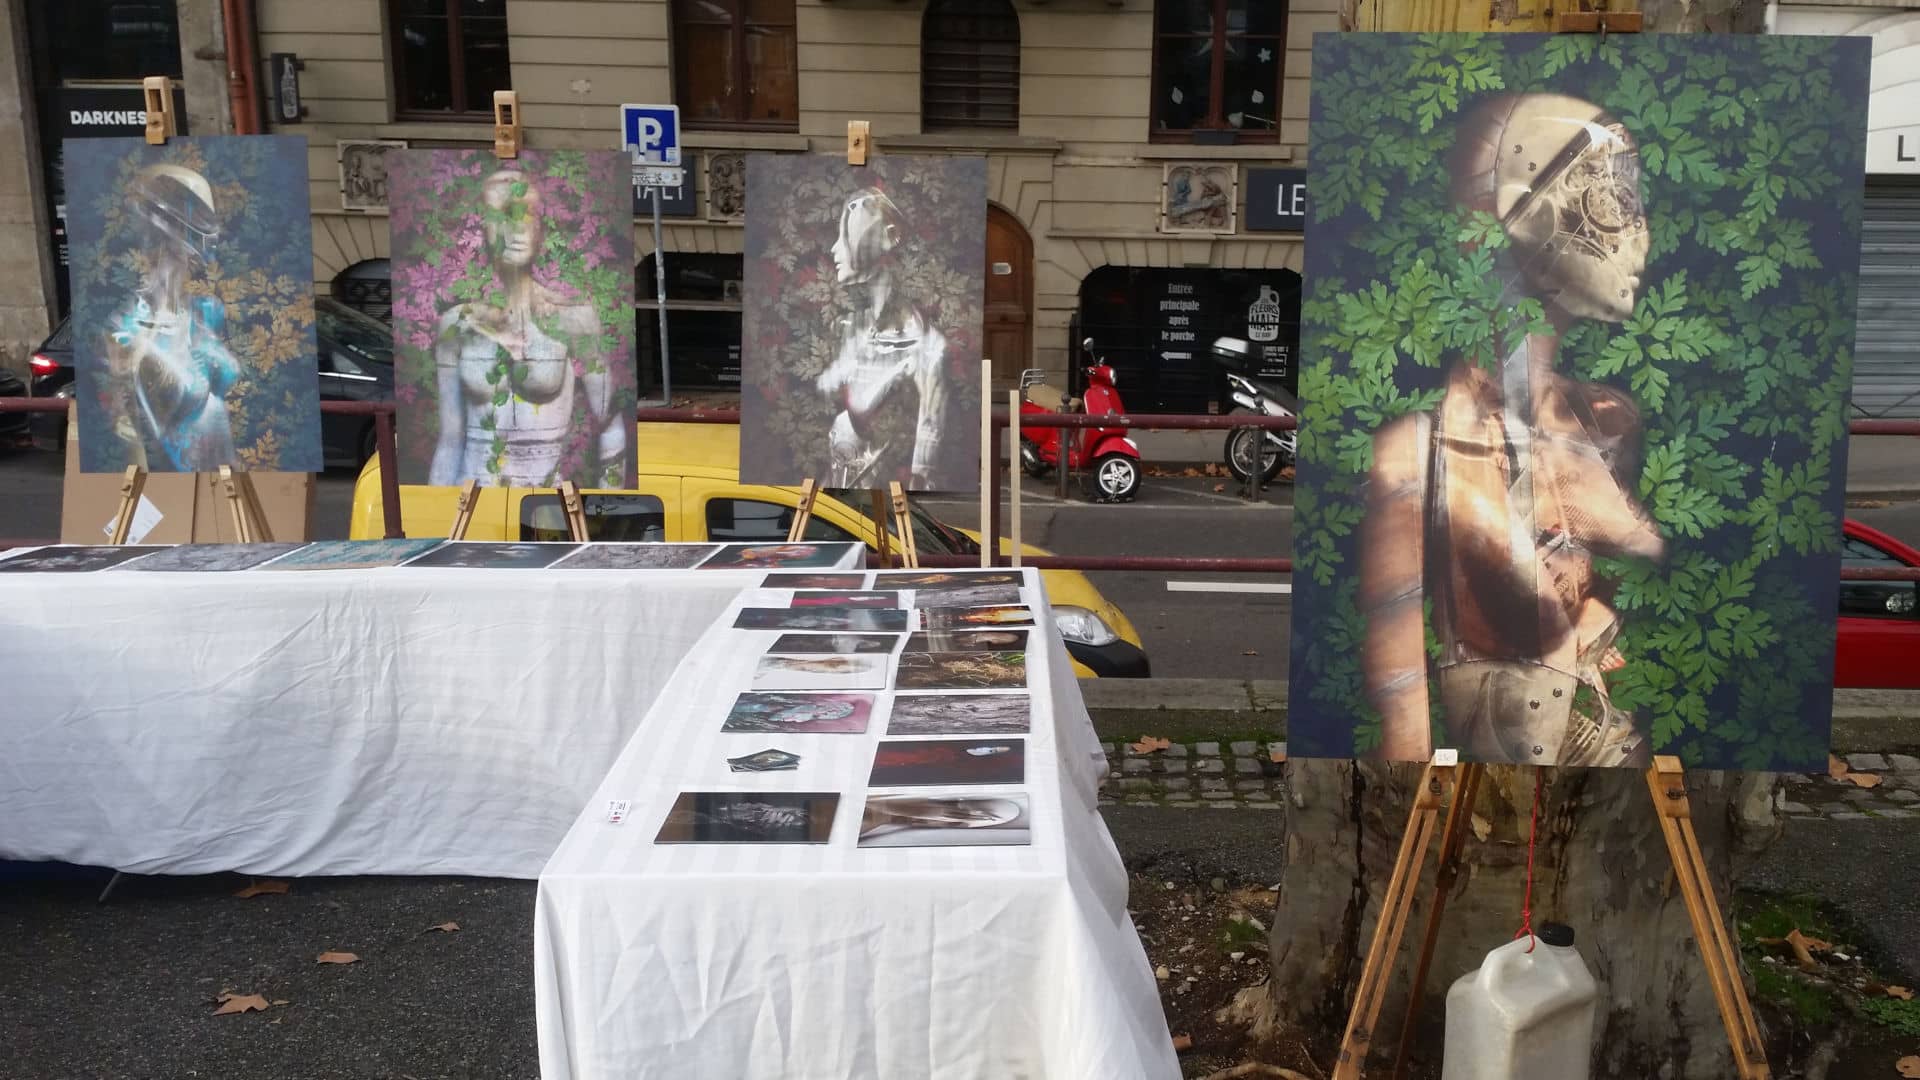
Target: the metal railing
pixel 383 411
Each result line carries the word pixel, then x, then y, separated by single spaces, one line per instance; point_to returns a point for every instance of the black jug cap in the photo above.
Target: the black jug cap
pixel 1554 933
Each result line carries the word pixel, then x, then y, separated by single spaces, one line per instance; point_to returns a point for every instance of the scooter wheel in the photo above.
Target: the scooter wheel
pixel 1116 477
pixel 1031 462
pixel 1242 445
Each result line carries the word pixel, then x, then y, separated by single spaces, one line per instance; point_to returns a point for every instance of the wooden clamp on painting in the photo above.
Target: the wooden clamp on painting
pixel 1665 782
pixel 161 125
pixel 506 124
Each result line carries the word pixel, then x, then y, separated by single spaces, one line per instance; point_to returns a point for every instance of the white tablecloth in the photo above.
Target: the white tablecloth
pixel 383 721
pixel 833 961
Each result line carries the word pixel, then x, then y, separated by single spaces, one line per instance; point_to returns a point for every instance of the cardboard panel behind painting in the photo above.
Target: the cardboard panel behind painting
pixel 193 333
pixel 1578 352
pixel 513 317
pixel 861 333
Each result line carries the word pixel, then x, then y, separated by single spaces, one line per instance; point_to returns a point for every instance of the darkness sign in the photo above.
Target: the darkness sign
pixel 92 112
pixel 1276 200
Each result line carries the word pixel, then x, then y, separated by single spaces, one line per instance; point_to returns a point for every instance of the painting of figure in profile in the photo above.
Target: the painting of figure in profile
pixel 192 267
pixel 862 366
pixel 513 317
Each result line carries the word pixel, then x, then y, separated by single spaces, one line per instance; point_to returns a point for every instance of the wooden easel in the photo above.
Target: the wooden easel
pixel 1666 784
pixel 249 520
pixel 893 501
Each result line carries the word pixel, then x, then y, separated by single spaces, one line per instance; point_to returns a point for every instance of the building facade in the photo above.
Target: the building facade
pixel 1144 155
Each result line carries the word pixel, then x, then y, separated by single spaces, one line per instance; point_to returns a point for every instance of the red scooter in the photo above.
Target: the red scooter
pixel 1113 457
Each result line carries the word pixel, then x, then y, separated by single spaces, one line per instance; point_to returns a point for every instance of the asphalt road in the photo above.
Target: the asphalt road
pixel 1237 634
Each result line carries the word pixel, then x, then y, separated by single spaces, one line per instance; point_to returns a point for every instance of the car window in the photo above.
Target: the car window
pixel 754 519
pixel 930 536
pixel 1875 599
pixel 349 341
pixel 628 518
pixel 62 336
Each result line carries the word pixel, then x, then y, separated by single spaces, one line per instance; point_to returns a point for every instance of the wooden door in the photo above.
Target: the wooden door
pixel 1009 310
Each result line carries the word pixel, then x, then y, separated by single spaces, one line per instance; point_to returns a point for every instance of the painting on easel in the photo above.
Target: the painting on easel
pixel 513 317
pixel 193 304
pixel 1573 443
pixel 862 334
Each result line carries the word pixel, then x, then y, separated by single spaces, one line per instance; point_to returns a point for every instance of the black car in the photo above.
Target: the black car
pixel 14 427
pixel 356 364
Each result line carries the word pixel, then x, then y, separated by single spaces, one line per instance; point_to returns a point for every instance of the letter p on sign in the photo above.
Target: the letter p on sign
pixel 651 133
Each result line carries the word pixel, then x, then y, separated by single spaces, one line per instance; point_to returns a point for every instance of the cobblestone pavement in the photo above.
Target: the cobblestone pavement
pixel 1245 776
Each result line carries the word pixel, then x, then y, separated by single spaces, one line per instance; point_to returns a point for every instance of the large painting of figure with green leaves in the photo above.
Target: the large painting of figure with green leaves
pixel 1577 343
pixel 513 317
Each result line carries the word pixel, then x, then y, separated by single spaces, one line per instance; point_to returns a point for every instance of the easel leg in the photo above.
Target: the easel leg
pixel 1459 813
pixel 880 527
pixel 803 513
pixel 250 496
pixel 236 506
pixel 463 510
pixel 1667 783
pixel 108 891
pixel 575 510
pixel 131 484
pixel 903 524
pixel 1394 910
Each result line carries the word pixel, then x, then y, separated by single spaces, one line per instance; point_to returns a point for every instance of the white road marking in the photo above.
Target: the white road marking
pixel 1229 586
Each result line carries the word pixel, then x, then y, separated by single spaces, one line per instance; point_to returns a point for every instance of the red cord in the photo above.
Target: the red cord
pixel 1533 832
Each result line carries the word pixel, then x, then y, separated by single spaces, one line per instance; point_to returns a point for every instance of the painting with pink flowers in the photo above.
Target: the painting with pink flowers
pixel 513 317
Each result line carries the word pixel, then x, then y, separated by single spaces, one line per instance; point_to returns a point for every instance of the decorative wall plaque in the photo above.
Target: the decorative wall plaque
pixel 363 173
pixel 727 186
pixel 1199 197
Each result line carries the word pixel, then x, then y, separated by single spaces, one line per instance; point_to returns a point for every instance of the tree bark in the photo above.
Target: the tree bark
pixel 1601 867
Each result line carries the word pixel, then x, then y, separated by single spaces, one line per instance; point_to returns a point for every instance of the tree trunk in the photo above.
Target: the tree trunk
pixel 1601 867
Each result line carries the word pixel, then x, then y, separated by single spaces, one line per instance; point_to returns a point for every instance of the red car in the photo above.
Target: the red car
pixel 1879 620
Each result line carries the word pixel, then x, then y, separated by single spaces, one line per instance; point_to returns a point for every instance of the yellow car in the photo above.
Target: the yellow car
pixel 690 491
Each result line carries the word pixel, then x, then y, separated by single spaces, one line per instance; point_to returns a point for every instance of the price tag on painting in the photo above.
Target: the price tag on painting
pixel 660 176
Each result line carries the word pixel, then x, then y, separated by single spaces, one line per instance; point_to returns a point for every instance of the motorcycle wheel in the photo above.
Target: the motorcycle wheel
pixel 1116 477
pixel 1031 462
pixel 1240 451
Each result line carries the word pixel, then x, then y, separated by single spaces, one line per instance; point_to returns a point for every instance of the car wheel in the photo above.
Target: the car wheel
pixel 1116 476
pixel 1241 448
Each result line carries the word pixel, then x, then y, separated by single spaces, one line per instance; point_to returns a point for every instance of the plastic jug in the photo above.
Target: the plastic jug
pixel 1523 1016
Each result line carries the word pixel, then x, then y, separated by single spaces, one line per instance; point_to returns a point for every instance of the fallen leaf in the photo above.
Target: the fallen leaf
pixel 263 888
pixel 1279 756
pixel 1802 951
pixel 336 958
pixel 1250 652
pixel 1836 768
pixel 1218 488
pixel 1900 992
pixel 445 927
pixel 1908 1066
pixel 1150 744
pixel 1481 826
pixel 240 1003
pixel 1182 1043
pixel 281 1001
pixel 1863 779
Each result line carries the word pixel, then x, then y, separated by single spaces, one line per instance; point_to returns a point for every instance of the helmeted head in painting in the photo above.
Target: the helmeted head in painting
pixel 870 229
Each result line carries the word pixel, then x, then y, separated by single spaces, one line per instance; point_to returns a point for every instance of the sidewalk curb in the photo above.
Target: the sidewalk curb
pixel 1191 710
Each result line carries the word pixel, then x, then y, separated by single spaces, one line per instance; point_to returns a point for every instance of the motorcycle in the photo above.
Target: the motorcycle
pixel 1273 450
pixel 1112 456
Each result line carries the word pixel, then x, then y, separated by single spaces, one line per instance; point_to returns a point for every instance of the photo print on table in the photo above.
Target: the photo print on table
pixel 790 644
pixel 1576 366
pixel 962 641
pixel 858 619
pixel 862 367
pixel 352 554
pixel 768 556
pixel 513 317
pixel 636 557
pixel 211 558
pixel 974 596
pixel 768 760
pixel 960 714
pixel 944 579
pixel 962 671
pixel 800 714
pixel 489 555
pixel 945 821
pixel 780 580
pixel 846 671
pixel 74 560
pixel 734 817
pixel 974 618
pixel 193 337
pixel 829 598
pixel 931 762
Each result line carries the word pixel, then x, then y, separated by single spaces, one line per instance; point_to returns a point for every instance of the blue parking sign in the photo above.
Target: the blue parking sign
pixel 651 133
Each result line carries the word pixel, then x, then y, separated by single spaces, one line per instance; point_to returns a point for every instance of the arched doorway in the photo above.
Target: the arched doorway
pixel 1009 310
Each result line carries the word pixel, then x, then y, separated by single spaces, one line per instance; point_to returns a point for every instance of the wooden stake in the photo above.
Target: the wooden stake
pixel 575 509
pixel 161 125
pixel 131 484
pixel 857 142
pixel 1013 525
pixel 1459 815
pixel 803 513
pixel 463 509
pixel 903 523
pixel 506 124
pixel 880 526
pixel 987 541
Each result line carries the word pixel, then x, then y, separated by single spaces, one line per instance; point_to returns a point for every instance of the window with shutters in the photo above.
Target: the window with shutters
pixel 1217 69
pixel 736 64
pixel 449 56
pixel 970 66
